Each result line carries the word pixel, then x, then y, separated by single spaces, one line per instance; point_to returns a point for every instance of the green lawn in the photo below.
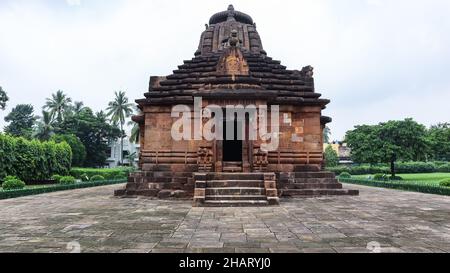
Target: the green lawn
pixel 422 182
pixel 428 178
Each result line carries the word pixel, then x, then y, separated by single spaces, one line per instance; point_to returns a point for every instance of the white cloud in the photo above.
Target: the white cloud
pixel 73 2
pixel 375 59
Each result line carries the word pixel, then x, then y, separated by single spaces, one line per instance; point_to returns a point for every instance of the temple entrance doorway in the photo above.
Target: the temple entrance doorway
pixel 232 148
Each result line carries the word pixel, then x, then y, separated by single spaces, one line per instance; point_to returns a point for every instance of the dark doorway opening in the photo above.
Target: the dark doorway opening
pixel 232 149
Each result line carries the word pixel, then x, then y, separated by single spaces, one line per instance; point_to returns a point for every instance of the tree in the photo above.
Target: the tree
pixel 78 149
pixel 331 157
pixel 44 129
pixel 388 142
pixel 3 99
pixel 438 137
pixel 58 104
pixel 326 134
pixel 94 132
pixel 135 132
pixel 132 158
pixel 118 111
pixel 365 144
pixel 21 121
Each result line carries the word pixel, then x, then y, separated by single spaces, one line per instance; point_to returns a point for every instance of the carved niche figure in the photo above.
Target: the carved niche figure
pixel 307 72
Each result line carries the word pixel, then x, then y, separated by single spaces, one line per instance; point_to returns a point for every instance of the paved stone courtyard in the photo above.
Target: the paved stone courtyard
pixel 92 220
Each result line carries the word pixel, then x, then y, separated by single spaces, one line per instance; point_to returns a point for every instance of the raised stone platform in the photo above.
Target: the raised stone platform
pixel 379 220
pixel 233 189
pixel 311 184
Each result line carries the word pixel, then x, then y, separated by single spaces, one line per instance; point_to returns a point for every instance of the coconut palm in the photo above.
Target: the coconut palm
pixel 77 107
pixel 58 104
pixel 136 129
pixel 135 132
pixel 118 110
pixel 44 129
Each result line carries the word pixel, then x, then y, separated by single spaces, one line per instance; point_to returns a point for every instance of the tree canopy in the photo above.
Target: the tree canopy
pixel 388 142
pixel 438 137
pixel 94 132
pixel 3 99
pixel 58 104
pixel 21 121
pixel 78 149
pixel 331 157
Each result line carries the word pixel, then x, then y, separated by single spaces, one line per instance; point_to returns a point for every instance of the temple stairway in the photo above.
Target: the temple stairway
pixel 311 184
pixel 235 190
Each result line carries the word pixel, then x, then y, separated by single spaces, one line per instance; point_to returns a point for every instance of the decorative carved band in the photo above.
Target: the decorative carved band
pixel 293 157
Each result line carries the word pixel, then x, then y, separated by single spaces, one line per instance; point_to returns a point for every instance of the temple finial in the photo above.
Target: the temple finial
pixel 231 13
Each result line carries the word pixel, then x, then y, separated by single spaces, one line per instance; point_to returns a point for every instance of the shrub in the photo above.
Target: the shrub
pixel 56 177
pixel 445 183
pixel 380 177
pixel 415 167
pixel 33 160
pixel 108 174
pixel 395 178
pixel 400 167
pixel 443 168
pixel 331 157
pixel 78 149
pixel 84 177
pixel 67 180
pixel 359 170
pixel 97 178
pixel 345 175
pixel 119 177
pixel 13 183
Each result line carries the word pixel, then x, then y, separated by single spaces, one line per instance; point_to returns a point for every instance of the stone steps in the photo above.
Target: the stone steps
pixel 239 191
pixel 302 186
pixel 235 189
pixel 235 183
pixel 311 184
pixel 236 197
pixel 236 203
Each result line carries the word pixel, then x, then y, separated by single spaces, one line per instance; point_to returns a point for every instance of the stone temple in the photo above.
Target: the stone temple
pixel 231 67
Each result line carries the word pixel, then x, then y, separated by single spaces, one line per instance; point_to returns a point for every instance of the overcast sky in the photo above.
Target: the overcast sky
pixel 375 59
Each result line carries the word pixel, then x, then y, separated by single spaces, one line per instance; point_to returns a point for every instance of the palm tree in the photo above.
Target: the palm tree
pixel 58 104
pixel 44 128
pixel 131 159
pixel 136 129
pixel 77 107
pixel 118 111
pixel 135 132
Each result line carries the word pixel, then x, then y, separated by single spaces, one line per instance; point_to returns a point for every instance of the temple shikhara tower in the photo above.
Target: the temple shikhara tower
pixel 231 68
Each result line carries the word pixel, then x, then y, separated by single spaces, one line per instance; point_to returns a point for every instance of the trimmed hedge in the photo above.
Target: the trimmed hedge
pixel 422 187
pixel 401 167
pixel 33 160
pixel 55 188
pixel 108 174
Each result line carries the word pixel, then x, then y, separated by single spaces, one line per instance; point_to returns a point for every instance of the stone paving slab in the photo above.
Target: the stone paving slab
pixel 92 220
